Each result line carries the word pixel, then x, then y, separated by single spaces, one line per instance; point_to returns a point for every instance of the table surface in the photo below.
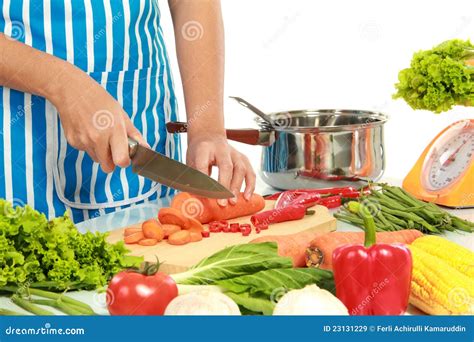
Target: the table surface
pixel 140 213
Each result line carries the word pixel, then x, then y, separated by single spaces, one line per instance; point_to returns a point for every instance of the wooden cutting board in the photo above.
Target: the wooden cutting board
pixel 180 258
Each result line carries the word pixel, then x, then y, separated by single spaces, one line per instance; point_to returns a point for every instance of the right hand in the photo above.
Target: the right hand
pixel 95 122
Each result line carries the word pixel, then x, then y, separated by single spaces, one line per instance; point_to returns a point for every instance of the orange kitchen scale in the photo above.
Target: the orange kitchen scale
pixel 444 173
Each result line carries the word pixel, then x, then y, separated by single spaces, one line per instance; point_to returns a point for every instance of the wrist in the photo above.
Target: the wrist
pixel 200 135
pixel 68 82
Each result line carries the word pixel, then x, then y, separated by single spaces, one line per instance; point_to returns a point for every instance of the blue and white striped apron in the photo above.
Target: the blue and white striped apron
pixel 119 43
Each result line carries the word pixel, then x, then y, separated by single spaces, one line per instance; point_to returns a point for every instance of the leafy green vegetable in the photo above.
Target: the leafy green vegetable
pixel 40 253
pixel 440 78
pixel 269 281
pixel 233 262
pixel 259 292
pixel 252 304
pixel 253 275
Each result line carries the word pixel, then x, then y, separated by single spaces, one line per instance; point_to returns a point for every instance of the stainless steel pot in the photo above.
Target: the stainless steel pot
pixel 316 148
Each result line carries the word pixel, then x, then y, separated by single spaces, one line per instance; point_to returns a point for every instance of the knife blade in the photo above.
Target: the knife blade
pixel 176 175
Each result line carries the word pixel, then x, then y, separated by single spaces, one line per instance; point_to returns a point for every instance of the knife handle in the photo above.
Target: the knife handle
pixel 248 136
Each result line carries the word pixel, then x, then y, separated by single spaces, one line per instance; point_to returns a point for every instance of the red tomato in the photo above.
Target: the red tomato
pixel 132 293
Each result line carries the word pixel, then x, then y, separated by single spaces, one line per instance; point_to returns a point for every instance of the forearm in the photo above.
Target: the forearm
pixel 199 37
pixel 32 71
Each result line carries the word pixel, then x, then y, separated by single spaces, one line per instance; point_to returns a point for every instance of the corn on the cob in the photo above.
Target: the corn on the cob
pixel 453 254
pixel 437 288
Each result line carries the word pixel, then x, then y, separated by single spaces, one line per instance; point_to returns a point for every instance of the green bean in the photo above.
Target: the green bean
pixel 349 218
pixel 461 224
pixel 411 216
pixel 30 307
pixel 396 220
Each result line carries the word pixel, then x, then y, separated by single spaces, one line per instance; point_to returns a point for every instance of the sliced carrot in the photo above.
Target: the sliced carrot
pixel 152 230
pixel 171 216
pixel 169 229
pixel 180 199
pixel 193 224
pixel 179 238
pixel 129 231
pixel 133 238
pixel 195 236
pixel 148 242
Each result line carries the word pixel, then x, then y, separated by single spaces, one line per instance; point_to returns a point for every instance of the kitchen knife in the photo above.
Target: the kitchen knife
pixel 169 172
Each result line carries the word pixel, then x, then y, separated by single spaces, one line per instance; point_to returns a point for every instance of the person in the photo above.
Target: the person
pixel 78 77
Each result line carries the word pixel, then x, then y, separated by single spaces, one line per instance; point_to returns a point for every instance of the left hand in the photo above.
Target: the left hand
pixel 205 151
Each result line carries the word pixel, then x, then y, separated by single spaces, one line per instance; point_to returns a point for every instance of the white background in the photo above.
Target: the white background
pixel 296 54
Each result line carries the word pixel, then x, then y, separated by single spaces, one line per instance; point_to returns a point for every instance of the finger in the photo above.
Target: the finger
pixel 237 178
pixel 92 154
pixel 119 147
pixel 224 163
pixel 104 157
pixel 201 161
pixel 250 179
pixel 134 133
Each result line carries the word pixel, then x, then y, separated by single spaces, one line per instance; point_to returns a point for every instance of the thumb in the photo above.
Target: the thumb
pixel 134 133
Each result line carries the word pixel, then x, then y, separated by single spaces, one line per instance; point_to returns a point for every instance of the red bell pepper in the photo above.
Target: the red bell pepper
pixel 373 279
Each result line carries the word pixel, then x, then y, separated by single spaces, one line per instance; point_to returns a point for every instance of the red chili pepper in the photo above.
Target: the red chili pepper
pixel 373 279
pixel 292 198
pixel 331 202
pixel 245 229
pixel 205 234
pixel 234 227
pixel 268 217
pixel 273 197
pixel 215 229
pixel 223 223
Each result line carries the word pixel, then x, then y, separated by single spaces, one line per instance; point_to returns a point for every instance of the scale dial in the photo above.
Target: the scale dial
pixel 449 157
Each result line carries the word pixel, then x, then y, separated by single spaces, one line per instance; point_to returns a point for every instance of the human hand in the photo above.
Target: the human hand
pixel 95 122
pixel 205 151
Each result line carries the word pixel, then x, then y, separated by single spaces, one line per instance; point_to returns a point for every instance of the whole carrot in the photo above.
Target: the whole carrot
pixel 319 252
pixel 206 210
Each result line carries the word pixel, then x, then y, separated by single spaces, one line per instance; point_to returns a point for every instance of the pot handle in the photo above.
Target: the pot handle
pixel 248 136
